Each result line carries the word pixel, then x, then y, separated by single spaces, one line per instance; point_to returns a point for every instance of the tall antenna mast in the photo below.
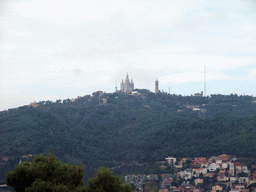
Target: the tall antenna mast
pixel 204 81
pixel 116 88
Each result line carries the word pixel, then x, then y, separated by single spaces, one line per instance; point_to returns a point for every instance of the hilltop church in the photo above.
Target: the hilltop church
pixel 127 86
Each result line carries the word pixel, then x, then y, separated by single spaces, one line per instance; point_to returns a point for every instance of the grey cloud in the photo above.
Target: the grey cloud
pixel 77 72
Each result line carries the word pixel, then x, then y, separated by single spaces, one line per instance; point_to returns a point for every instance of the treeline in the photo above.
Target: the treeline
pixel 145 128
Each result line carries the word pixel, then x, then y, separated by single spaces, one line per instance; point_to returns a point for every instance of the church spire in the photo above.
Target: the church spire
pixel 126 85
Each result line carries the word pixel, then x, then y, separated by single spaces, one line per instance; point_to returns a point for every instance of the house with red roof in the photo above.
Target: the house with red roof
pixel 198 161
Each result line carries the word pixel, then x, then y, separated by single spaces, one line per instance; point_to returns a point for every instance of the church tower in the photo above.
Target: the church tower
pixel 126 85
pixel 156 86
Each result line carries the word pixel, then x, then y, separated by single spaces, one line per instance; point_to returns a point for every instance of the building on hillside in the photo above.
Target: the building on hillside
pixel 199 94
pixel 171 160
pixel 210 175
pixel 186 187
pixel 213 167
pixel 127 86
pixel 231 170
pixel 184 174
pixel 243 180
pixel 224 165
pixel 224 157
pixel 166 183
pixel 197 171
pixel 216 188
pixel 198 181
pixel 165 176
pixel 239 186
pixel 245 169
pixel 198 161
pixel 233 179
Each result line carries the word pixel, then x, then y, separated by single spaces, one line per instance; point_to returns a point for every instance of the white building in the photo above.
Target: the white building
pixel 185 174
pixel 245 169
pixel 213 167
pixel 171 160
pixel 224 165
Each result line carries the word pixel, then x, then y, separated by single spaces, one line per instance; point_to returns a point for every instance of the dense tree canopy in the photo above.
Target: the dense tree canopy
pixel 105 181
pixel 45 174
pixel 146 128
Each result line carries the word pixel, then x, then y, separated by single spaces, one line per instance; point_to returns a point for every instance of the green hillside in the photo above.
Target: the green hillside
pixel 126 128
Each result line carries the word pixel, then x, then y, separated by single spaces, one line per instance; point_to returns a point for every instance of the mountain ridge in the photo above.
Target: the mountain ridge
pixel 123 129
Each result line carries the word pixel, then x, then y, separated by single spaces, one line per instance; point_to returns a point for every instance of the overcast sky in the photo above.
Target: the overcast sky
pixel 59 49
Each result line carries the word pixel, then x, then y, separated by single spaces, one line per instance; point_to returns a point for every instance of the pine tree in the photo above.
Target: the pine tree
pixel 45 174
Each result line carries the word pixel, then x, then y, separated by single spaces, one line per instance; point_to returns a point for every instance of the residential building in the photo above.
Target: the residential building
pixel 222 175
pixel 231 170
pixel 245 169
pixel 235 190
pixel 222 178
pixel 198 180
pixel 166 183
pixel 204 165
pixel 209 174
pixel 239 186
pixel 224 165
pixel 165 176
pixel 213 167
pixel 184 174
pixel 233 179
pixel 186 187
pixel 243 180
pixel 224 157
pixel 199 160
pixel 171 160
pixel 216 188
pixel 199 170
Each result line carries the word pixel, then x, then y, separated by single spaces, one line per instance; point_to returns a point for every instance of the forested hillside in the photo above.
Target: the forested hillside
pixel 125 128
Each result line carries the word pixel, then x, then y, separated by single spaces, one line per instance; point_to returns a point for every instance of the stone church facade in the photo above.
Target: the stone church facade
pixel 127 86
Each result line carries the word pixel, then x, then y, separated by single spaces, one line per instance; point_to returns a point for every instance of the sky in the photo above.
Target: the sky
pixel 59 49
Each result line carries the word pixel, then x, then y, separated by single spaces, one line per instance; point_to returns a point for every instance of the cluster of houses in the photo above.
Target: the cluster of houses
pixel 230 175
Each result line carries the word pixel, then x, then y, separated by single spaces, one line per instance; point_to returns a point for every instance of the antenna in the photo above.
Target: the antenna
pixel 116 87
pixel 204 81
